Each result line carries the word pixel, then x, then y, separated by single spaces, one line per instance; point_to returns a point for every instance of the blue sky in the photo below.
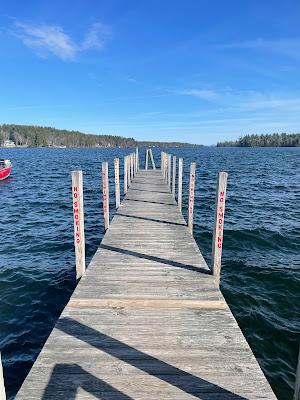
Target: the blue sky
pixel 196 71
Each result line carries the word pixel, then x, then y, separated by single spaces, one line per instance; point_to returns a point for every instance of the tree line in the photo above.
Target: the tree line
pixel 272 140
pixel 39 136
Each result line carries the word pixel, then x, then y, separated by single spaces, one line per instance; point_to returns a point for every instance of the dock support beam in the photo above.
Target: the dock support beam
pixel 2 387
pixel 191 196
pixel 297 382
pixel 152 159
pixel 78 217
pixel 117 182
pixel 179 198
pixel 105 194
pixel 174 176
pixel 219 225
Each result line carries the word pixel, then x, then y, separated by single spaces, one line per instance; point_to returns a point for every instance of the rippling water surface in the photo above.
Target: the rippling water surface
pixel 261 265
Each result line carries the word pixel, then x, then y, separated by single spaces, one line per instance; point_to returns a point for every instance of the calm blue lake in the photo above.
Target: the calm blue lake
pixel 261 262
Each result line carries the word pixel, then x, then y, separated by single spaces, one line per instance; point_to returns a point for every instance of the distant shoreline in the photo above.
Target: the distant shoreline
pixel 39 136
pixel 272 140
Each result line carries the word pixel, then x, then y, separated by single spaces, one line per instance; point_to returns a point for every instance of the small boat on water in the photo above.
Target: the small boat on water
pixel 5 169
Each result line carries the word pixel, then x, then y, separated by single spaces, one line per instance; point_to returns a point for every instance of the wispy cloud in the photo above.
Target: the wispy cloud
pixel 51 39
pixel 204 94
pixel 96 37
pixel 286 47
pixel 245 100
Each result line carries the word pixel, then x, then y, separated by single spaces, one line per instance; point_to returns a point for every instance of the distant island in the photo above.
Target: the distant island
pixel 273 140
pixel 37 136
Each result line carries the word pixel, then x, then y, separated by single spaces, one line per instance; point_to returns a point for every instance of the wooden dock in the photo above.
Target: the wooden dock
pixel 147 320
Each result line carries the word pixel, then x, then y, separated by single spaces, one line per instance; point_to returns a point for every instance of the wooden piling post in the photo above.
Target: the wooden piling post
pixel 179 196
pixel 105 194
pixel 146 161
pixel 128 170
pixel 125 175
pixel 78 217
pixel 169 170
pixel 166 167
pixel 174 176
pixel 131 163
pixel 137 159
pixel 2 386
pixel 162 163
pixel 117 182
pixel 297 381
pixel 191 195
pixel 134 164
pixel 219 225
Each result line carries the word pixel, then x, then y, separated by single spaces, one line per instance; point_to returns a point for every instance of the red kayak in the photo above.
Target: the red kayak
pixel 5 169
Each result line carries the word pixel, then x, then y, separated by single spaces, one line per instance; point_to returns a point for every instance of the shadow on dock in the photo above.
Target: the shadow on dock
pixel 151 219
pixel 151 202
pixel 151 191
pixel 156 259
pixel 188 383
pixel 79 379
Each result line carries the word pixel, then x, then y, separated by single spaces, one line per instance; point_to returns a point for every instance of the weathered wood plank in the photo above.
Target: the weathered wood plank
pixel 146 303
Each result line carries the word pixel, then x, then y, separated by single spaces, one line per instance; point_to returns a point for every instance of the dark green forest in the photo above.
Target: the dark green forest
pixel 38 136
pixel 273 140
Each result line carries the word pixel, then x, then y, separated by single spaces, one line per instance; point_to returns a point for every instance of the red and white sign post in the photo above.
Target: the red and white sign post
pixel 179 195
pixel 117 182
pixel 219 225
pixel 78 216
pixel 166 167
pixel 191 196
pixel 105 194
pixel 174 176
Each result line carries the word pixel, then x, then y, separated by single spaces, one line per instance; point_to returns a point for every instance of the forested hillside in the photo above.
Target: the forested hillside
pixel 37 136
pixel 274 140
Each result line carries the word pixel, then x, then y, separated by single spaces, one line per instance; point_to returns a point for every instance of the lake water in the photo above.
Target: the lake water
pixel 261 265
